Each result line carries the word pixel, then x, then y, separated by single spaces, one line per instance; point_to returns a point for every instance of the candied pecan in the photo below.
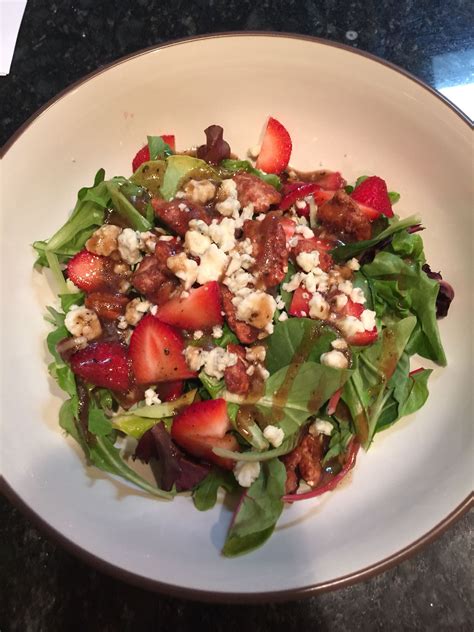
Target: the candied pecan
pixel 236 378
pixel 106 304
pixel 149 276
pixel 245 333
pixel 253 190
pixel 303 462
pixel 341 214
pixel 272 255
pixel 165 249
pixel 178 213
pixel 309 465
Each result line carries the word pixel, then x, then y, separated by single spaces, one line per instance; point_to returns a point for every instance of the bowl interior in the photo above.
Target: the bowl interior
pixel 345 112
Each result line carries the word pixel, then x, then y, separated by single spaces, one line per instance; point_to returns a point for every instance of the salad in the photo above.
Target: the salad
pixel 238 325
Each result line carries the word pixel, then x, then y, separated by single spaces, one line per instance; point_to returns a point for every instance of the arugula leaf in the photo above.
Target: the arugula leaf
pixel 87 216
pixel 98 423
pixel 298 340
pixel 258 511
pixel 212 385
pixel 205 494
pixel 403 288
pixel 180 168
pixel 158 148
pixel 342 253
pixel 126 208
pixel 234 166
pixel 70 299
pixel 228 337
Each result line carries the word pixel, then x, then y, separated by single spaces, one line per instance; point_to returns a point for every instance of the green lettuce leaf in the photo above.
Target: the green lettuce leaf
pixel 234 166
pixel 150 175
pixel 181 168
pixel 258 511
pixel 343 253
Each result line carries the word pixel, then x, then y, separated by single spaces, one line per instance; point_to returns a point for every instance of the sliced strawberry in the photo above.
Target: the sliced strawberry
pixel 298 193
pixel 201 309
pixel 361 338
pixel 289 226
pixel 372 195
pixel 156 352
pixel 353 309
pixel 276 148
pixel 103 364
pixel 203 426
pixel 304 189
pixel 300 303
pixel 107 305
pixel 168 391
pixel 364 338
pixel 143 154
pixel 169 140
pixel 90 272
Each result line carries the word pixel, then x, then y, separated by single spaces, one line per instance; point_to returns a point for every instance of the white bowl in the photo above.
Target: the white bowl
pixel 346 111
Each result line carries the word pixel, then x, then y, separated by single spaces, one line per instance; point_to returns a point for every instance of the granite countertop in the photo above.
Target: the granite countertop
pixel 45 588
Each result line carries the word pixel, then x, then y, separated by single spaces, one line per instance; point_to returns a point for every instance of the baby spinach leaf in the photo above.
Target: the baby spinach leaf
pixel 297 340
pixel 287 296
pixel 403 288
pixel 258 511
pixel 205 494
pixel 228 337
pixel 366 392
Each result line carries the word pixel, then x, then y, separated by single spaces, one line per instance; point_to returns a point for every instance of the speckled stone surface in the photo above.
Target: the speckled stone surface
pixel 44 588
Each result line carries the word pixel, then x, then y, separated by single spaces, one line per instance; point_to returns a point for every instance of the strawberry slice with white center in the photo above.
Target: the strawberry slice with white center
pixel 201 309
pixel 372 196
pixel 143 154
pixel 276 148
pixel 361 338
pixel 203 426
pixel 300 303
pixel 90 272
pixel 103 364
pixel 156 351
